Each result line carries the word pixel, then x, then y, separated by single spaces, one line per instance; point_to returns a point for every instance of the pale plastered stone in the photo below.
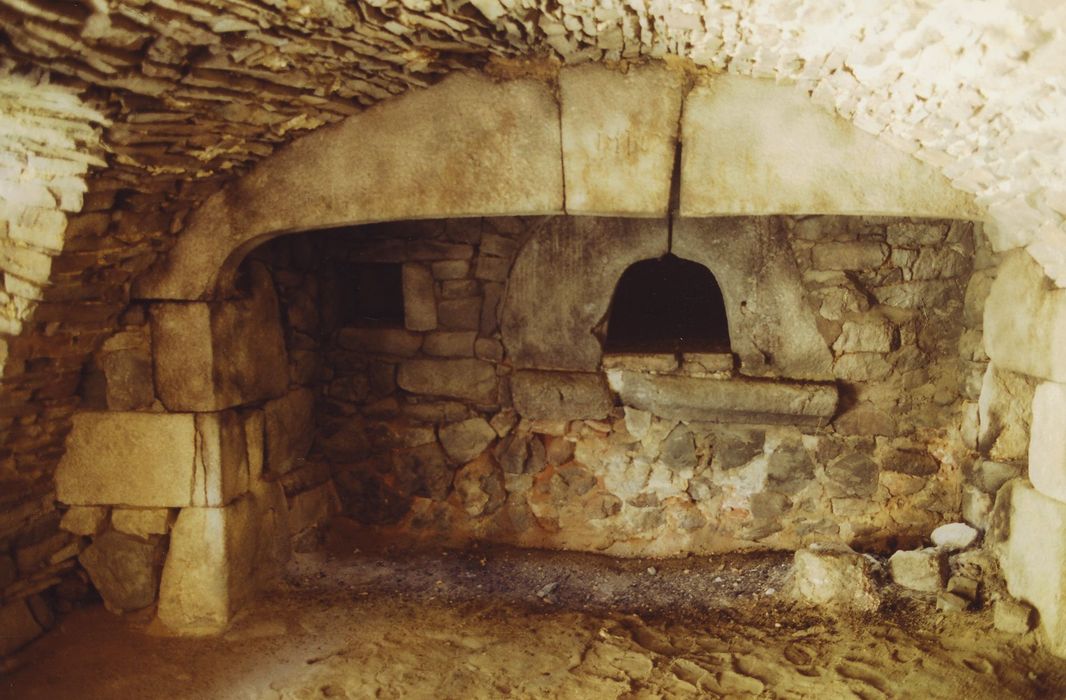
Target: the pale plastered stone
pixel 619 132
pixel 162 460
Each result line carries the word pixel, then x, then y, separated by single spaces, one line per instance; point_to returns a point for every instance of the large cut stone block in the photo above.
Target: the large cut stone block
pixel 1033 559
pixel 756 147
pixel 571 266
pixel 220 557
pixel 726 400
pixel 473 380
pixel 560 395
pixel 1047 440
pixel 772 328
pixel 491 148
pixel 167 460
pixel 210 356
pixel 619 135
pixel 1025 320
pixel 289 429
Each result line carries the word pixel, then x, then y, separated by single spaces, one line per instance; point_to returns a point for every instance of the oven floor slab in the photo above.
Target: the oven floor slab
pixel 385 620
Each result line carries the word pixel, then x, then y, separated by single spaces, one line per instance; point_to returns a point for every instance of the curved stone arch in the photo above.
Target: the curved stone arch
pixel 513 148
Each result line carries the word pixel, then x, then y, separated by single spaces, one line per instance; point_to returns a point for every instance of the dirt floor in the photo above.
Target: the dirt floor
pixel 387 621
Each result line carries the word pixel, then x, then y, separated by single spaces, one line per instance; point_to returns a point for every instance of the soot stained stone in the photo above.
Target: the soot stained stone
pixel 856 473
pixel 678 450
pixel 732 450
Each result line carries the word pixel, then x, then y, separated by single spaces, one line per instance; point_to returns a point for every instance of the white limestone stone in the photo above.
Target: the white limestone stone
pixel 1033 560
pixel 1025 320
pixel 619 132
pixel 1047 440
pixel 220 557
pixel 952 536
pixel 756 147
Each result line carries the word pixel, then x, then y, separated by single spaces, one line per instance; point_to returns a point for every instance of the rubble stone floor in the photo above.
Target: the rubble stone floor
pixel 389 621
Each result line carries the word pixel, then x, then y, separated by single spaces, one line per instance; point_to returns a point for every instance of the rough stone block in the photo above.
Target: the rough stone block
pixel 211 356
pixel 313 507
pixel 1033 559
pixel 726 400
pixel 126 362
pixel 289 429
pixel 560 395
pixel 219 558
pixel 18 627
pixel 849 255
pixel 619 133
pixel 467 439
pixel 919 570
pixel 460 314
pixel 450 344
pixel 835 577
pixel 1025 320
pixel 419 298
pixel 755 147
pixel 1047 440
pixel 124 569
pixel 571 267
pixel 872 334
pixel 84 520
pixel 383 341
pixel 141 522
pixel 165 460
pixel 473 380
pixel 1005 411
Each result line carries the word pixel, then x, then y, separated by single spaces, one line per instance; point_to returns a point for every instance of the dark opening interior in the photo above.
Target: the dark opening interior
pixel 667 305
pixel 370 294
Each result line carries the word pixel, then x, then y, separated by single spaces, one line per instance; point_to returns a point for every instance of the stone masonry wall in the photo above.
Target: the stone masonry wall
pixel 420 429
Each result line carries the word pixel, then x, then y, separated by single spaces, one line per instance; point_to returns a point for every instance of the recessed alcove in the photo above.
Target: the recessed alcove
pixel 667 305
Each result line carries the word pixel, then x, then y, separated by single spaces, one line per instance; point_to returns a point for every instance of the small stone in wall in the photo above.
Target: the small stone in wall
pixel 678 450
pixel 866 419
pixel 513 452
pixel 419 298
pixel 467 439
pixel 141 522
pixel 976 506
pixel 919 570
pixel 124 569
pixel 873 334
pixel 850 255
pixel 954 536
pixel 460 314
pixel 637 422
pixel 734 449
pixel 790 468
pixel 423 471
pixel 912 462
pixel 450 344
pixel 480 487
pixel 559 450
pixel 84 520
pixel 451 269
pixel 855 473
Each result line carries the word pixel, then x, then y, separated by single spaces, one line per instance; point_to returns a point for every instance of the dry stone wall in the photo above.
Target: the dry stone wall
pixel 432 430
